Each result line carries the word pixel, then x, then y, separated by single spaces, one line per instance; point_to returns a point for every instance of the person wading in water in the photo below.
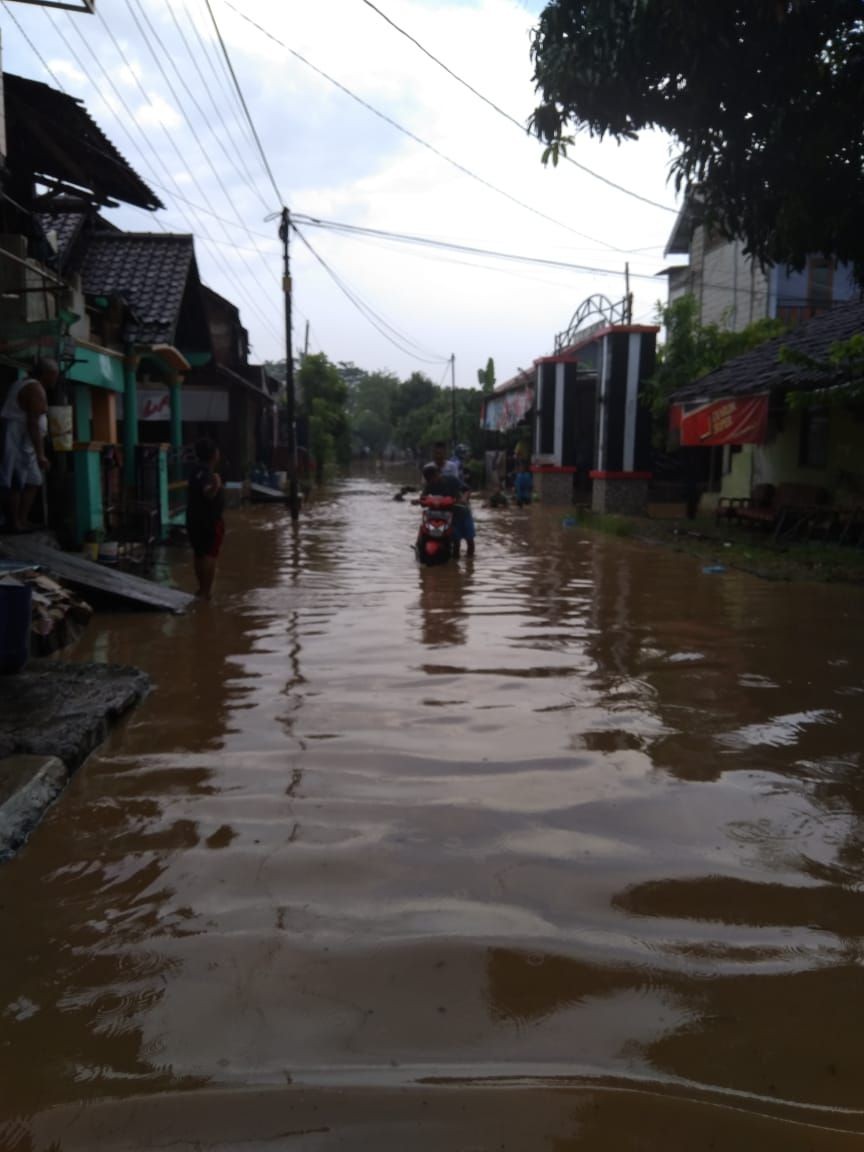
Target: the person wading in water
pixel 205 507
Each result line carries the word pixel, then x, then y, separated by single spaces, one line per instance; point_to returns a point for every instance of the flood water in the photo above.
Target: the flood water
pixel 560 849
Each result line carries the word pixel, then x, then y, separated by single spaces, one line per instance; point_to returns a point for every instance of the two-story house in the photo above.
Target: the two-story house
pixel 732 290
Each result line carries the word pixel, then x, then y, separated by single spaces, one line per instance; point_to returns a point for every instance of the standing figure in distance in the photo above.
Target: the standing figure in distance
pixel 205 504
pixel 524 485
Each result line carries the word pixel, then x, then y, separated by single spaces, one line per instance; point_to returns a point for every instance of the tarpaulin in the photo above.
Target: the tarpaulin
pixel 738 420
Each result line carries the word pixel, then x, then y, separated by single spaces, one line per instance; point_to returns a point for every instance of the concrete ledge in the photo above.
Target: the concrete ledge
pixel 52 716
pixel 51 708
pixel 28 784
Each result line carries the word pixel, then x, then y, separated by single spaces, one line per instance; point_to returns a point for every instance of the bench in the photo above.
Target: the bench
pixel 770 507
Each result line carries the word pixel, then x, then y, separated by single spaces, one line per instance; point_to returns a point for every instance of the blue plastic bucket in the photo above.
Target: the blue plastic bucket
pixel 16 602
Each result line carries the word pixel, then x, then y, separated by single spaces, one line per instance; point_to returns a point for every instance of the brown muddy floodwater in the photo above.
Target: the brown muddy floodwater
pixel 561 850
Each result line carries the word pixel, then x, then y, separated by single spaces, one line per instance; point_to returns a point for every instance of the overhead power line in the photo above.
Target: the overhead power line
pixel 412 135
pixel 225 120
pixel 394 337
pixel 245 106
pixel 427 241
pixel 204 235
pixel 512 119
pixel 33 48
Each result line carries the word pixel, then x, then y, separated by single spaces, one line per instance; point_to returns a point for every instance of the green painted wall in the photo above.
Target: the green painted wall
pixel 83 406
pixel 98 369
pixel 89 513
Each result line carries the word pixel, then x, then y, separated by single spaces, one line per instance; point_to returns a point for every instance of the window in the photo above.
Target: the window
pixel 813 451
pixel 821 280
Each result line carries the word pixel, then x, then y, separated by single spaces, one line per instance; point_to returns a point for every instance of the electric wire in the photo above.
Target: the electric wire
pixel 33 48
pixel 222 116
pixel 412 135
pixel 512 119
pixel 280 198
pixel 385 323
pixel 222 119
pixel 368 314
pixel 425 241
pixel 219 70
pixel 437 257
pixel 268 268
pixel 204 234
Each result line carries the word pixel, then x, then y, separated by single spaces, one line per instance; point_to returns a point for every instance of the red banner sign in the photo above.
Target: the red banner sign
pixel 742 420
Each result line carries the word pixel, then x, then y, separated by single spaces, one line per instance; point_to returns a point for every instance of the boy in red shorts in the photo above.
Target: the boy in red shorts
pixel 205 506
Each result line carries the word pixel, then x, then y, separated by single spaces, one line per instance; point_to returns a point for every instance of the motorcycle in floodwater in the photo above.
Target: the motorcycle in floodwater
pixel 435 538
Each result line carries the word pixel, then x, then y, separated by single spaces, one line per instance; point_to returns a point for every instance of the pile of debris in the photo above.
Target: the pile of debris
pixel 58 616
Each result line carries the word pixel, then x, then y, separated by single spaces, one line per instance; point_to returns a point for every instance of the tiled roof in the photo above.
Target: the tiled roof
pixel 55 134
pixel 761 370
pixel 149 269
pixel 67 224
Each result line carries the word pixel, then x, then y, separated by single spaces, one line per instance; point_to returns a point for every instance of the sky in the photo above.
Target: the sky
pixel 152 74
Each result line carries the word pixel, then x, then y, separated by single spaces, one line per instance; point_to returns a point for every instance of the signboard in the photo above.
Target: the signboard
pixel 198 405
pixel 508 409
pixel 735 420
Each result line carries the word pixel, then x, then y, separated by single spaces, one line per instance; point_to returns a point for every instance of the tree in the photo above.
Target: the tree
pixel 841 371
pixel 486 376
pixel 370 404
pixel 762 97
pixel 325 402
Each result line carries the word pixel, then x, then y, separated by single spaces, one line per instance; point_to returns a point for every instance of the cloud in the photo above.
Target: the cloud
pixel 66 70
pixel 158 111
pixel 334 158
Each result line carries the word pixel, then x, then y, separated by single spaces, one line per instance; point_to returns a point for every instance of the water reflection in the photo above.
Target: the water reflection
pixel 444 595
pixel 574 811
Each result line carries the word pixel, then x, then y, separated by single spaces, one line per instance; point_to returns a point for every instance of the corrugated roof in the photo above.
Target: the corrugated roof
pixel 761 370
pixel 54 135
pixel 149 269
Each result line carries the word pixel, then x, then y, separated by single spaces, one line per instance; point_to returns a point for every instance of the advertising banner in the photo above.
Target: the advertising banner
pixel 736 420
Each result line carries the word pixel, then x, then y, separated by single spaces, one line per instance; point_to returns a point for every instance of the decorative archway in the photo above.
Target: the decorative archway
pixel 606 312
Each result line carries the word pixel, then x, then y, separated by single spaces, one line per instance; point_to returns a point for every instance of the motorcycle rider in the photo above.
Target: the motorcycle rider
pixel 463 521
pixel 437 483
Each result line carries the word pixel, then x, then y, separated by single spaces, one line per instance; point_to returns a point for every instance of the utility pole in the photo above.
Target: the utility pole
pixel 293 498
pixel 306 342
pixel 628 294
pixel 453 395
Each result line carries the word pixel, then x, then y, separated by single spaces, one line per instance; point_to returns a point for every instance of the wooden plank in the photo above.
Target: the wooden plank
pixel 71 568
pixel 264 494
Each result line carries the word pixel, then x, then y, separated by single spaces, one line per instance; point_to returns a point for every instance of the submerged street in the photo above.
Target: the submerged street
pixel 558 849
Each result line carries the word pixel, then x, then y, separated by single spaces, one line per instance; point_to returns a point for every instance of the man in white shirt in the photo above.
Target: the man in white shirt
pixel 23 427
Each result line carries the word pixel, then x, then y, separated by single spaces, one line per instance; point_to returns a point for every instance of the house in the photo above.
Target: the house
pixel 592 430
pixel 228 399
pixel 141 325
pixel 732 291
pixel 57 155
pixel 742 409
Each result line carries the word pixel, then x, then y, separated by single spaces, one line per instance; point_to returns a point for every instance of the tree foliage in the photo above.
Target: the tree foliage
pixel 325 402
pixel 691 349
pixel 762 98
pixel 841 370
pixel 354 412
pixel 486 377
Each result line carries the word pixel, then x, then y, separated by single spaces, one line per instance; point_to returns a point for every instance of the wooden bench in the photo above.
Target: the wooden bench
pixel 770 507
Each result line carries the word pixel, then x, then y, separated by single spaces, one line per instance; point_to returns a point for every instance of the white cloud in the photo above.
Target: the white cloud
pixel 158 111
pixel 333 158
pixel 66 70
